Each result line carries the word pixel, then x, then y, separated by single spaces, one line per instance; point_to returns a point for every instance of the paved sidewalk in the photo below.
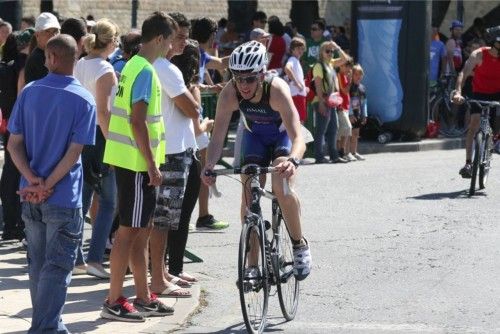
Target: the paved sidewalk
pixel 83 305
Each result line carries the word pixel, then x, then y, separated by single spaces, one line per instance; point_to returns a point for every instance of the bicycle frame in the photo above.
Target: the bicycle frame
pixel 482 146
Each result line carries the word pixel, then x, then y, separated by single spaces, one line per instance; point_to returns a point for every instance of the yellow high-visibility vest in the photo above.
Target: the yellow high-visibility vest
pixel 121 147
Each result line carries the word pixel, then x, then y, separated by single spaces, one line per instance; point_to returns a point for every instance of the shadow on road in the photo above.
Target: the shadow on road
pixel 450 195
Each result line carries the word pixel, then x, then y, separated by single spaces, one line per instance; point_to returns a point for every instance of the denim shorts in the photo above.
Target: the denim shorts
pixel 175 172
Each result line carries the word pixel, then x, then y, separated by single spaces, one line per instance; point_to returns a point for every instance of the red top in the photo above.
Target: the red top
pixel 278 49
pixel 486 78
pixel 346 99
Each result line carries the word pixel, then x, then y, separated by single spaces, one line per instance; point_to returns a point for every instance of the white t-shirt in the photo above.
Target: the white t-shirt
pixel 88 71
pixel 179 129
pixel 299 75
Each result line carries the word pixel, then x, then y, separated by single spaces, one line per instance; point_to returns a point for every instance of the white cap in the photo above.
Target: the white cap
pixel 46 21
pixel 258 33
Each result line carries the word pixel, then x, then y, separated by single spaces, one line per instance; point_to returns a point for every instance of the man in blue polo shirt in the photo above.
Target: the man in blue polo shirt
pixel 52 120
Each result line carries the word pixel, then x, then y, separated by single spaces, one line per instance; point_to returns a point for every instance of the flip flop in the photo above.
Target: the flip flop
pixel 180 282
pixel 185 276
pixel 175 292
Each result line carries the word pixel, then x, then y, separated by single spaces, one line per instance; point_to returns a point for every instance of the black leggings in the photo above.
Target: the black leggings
pixel 177 239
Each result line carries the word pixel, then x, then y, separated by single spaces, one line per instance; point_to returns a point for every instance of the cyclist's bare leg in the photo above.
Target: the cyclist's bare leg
pixel 289 203
pixel 473 127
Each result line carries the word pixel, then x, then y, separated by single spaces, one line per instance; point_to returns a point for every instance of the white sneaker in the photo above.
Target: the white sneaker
pixel 349 157
pixel 97 271
pixel 359 156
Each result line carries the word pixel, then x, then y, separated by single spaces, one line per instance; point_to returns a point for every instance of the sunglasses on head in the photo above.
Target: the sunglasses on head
pixel 249 79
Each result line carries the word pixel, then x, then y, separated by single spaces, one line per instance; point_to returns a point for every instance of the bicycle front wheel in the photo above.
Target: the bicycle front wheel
pixel 475 162
pixel 287 285
pixel 485 165
pixel 252 278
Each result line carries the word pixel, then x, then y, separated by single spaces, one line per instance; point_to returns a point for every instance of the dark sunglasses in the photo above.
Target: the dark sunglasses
pixel 329 51
pixel 250 79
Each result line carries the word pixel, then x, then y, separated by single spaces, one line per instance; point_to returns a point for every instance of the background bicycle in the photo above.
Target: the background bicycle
pixel 452 120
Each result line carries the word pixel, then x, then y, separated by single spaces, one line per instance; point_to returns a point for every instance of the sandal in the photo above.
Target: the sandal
pixel 179 281
pixel 185 276
pixel 175 291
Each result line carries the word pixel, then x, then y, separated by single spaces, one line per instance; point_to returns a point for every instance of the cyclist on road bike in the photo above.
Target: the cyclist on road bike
pixel 484 65
pixel 272 134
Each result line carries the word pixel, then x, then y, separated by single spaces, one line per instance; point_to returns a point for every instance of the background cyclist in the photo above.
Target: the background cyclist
pixel 272 134
pixel 484 65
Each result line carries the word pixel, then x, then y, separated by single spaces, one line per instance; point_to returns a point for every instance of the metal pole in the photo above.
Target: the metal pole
pixel 135 6
pixel 460 11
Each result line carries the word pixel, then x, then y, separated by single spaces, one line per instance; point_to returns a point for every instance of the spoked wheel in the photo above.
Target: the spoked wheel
pixel 252 278
pixel 475 162
pixel 451 118
pixel 287 285
pixel 485 165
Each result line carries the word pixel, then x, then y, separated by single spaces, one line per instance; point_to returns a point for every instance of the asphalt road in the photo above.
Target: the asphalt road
pixel 397 247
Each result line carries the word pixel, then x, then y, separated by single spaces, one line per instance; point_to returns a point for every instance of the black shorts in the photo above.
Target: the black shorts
pixel 475 109
pixel 359 120
pixel 136 199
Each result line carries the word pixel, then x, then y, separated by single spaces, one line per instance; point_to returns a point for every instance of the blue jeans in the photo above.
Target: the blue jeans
pixel 103 221
pixel 53 234
pixel 326 129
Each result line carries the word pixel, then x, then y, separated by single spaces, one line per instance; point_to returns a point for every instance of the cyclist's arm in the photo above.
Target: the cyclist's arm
pixel 281 101
pixel 226 104
pixel 475 59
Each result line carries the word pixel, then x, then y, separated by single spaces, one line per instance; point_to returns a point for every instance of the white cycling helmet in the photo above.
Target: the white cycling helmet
pixel 248 57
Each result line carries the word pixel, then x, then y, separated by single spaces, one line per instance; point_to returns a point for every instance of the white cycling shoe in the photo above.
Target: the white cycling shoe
pixel 302 261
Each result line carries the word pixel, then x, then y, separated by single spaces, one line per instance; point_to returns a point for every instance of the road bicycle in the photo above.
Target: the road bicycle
pixel 265 256
pixel 482 147
pixel 451 118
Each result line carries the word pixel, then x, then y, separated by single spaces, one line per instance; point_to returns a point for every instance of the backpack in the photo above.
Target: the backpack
pixel 309 82
pixel 8 87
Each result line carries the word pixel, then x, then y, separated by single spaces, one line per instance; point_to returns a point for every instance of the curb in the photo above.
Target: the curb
pixel 371 147
pixel 184 308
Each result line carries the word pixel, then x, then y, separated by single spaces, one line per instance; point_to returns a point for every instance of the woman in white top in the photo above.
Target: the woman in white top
pixel 98 76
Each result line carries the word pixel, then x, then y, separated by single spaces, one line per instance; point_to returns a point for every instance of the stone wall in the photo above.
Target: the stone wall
pixel 335 12
pixel 120 10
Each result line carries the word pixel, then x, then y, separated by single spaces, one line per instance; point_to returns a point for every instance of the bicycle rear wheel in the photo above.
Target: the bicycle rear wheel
pixel 252 278
pixel 475 162
pixel 485 165
pixel 287 285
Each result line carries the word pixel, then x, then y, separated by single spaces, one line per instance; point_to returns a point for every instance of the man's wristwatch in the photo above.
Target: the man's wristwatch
pixel 294 161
